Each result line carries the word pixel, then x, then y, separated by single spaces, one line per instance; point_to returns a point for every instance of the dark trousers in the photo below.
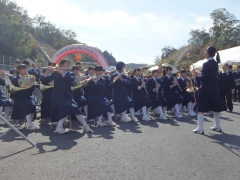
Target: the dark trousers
pixel 237 92
pixel 227 96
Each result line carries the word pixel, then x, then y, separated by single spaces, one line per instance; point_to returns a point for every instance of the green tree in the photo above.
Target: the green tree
pixel 199 36
pixel 167 51
pixel 225 27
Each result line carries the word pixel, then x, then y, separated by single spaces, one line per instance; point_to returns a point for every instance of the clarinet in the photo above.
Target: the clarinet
pixel 156 87
pixel 145 87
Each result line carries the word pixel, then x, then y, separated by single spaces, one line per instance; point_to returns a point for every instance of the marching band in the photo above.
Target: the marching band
pixel 102 93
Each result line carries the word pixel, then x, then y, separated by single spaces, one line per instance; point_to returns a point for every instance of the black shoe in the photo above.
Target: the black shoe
pixel 230 110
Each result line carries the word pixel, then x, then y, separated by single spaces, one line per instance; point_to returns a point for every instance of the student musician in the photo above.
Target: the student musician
pixel 24 105
pixel 14 70
pixel 140 95
pixel 209 98
pixel 108 90
pixel 226 86
pixel 237 84
pixel 78 64
pixel 78 93
pixel 91 73
pixel 170 89
pixel 34 71
pixel 155 94
pixel 121 100
pixel 63 103
pixel 4 102
pixel 189 100
pixel 46 107
pixel 98 104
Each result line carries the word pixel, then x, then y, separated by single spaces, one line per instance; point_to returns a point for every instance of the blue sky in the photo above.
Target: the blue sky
pixel 134 31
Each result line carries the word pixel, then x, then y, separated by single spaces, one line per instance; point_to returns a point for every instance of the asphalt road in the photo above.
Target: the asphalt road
pixel 148 150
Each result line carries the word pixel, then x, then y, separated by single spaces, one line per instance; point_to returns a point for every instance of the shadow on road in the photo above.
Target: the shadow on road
pixel 4 157
pixel 58 141
pixel 228 141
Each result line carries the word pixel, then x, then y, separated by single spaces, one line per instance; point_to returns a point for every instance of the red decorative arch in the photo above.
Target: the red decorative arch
pixel 82 49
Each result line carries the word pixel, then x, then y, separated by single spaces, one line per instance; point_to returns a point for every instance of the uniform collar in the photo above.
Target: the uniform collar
pixel 211 58
pixel 168 76
pixel 118 73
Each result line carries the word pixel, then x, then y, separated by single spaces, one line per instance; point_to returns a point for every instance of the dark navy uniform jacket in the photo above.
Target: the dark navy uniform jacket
pixel 151 84
pixel 96 90
pixel 226 81
pixel 34 72
pixel 209 76
pixel 108 91
pixel 167 82
pixel 136 93
pixel 62 85
pixel 120 87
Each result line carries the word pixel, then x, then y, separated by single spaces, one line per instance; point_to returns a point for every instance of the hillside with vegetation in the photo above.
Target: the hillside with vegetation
pixel 223 34
pixel 22 36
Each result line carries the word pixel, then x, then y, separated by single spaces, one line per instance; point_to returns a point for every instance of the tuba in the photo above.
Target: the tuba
pixel 45 87
pixel 79 82
pixel 24 82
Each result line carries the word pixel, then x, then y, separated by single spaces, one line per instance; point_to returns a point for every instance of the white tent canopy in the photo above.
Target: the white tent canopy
pixel 156 67
pixel 231 55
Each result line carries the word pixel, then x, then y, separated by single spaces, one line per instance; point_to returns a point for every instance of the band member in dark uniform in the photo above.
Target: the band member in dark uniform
pixel 46 107
pixel 63 103
pixel 226 86
pixel 108 91
pixel 78 64
pixel 122 102
pixel 49 64
pixel 78 93
pixel 34 71
pixel 237 84
pixel 140 95
pixel 24 105
pixel 4 102
pixel 209 98
pixel 170 92
pixel 189 100
pixel 14 70
pixel 98 104
pixel 155 94
pixel 91 73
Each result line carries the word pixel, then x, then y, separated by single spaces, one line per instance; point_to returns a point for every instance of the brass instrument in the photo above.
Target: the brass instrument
pixel 191 89
pixel 160 68
pixel 147 73
pixel 144 68
pixel 79 82
pixel 45 87
pixel 24 82
pixel 130 71
pixel 110 69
